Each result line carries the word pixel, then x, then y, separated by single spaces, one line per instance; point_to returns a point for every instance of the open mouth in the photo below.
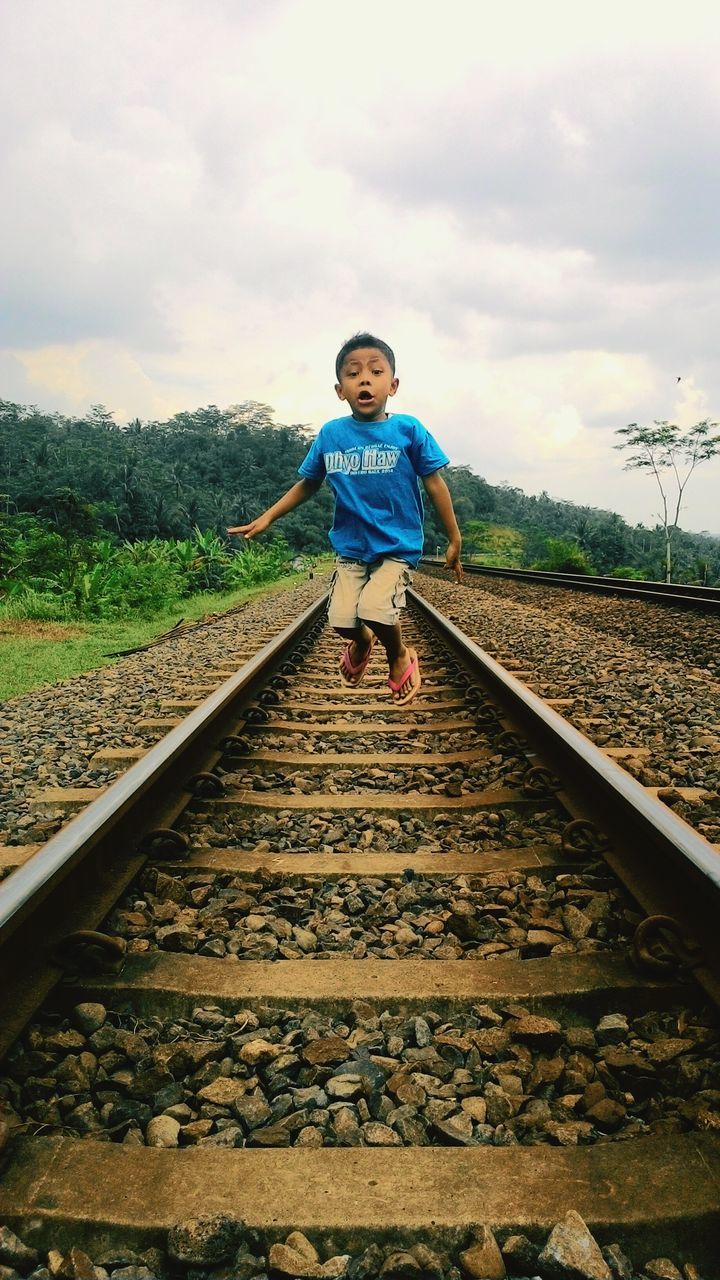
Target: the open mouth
pixel 365 397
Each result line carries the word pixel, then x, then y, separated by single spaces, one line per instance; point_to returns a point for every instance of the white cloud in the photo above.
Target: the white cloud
pixel 207 200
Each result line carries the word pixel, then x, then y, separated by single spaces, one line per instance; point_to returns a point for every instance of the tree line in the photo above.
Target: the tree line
pixel 89 478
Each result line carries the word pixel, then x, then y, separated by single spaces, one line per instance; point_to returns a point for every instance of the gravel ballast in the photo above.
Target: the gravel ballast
pixel 513 916
pixel 221 1247
pixel 641 675
pixel 49 736
pixel 498 1077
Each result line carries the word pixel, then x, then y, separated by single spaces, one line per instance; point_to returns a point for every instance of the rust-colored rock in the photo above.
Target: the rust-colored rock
pixel 483 1260
pixel 325 1049
pixel 544 1033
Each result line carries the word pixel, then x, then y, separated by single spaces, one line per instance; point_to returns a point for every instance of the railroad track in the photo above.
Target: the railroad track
pixel 677 594
pixel 366 972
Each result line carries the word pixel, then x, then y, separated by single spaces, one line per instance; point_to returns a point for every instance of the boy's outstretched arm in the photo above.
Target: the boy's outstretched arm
pixel 439 495
pixel 294 497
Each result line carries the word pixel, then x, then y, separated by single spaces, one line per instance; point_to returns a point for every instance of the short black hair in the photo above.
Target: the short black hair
pixel 363 340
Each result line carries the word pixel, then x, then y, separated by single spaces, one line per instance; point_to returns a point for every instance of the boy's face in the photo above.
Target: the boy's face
pixel 366 381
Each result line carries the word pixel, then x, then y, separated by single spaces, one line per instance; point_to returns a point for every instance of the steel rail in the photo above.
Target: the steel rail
pixel 72 880
pixel 679 595
pixel 668 866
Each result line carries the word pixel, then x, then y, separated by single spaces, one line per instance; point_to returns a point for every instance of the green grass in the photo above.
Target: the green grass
pixel 41 653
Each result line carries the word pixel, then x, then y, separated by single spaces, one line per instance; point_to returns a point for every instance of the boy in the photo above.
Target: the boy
pixel 372 460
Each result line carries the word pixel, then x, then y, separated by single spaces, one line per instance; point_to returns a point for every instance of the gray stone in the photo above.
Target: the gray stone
pixel 300 1243
pixel 73 1265
pixel 619 1264
pixel 380 1135
pixel 14 1253
pixel 500 1105
pixel 252 1112
pixel 367 1265
pixel 577 924
pixel 162 1131
pixel 176 937
pixel 230 1136
pixel 311 1097
pixel 572 1253
pixel 612 1029
pixel 661 1269
pixel 84 1119
pixel 246 1265
pixel 372 1074
pixel 133 1273
pixel 423 1034
pixel 310 1136
pixel 89 1016
pixel 206 1241
pixel 344 1087
pixel 270 1135
pixel 476 1108
pixel 111 1259
pixel 520 1255
pixel 569 1133
pixel 412 1131
pixel 399 1265
pixel 457 1130
pixel 290 1262
pixel 305 938
pixel 347 1129
pixel 430 1263
pixel 335 1267
pixel 298 1258
pixel 439 1109
pixel 72 1075
pixel 171 1095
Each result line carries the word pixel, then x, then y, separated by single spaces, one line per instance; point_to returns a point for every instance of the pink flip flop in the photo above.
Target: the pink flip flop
pixel 396 685
pixel 352 676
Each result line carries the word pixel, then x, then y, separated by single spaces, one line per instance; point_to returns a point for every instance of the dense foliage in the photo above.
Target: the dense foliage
pixel 206 469
pixel 45 574
pixel 101 519
pixel 606 542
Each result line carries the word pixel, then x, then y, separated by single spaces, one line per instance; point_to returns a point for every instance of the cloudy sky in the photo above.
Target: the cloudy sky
pixel 203 200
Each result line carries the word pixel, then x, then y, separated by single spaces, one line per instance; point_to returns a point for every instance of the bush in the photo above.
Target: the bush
pixel 124 587
pixel 256 563
pixel 626 571
pixel 564 557
pixel 97 578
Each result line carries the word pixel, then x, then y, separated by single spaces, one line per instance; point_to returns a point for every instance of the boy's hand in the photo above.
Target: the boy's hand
pixel 452 560
pixel 252 529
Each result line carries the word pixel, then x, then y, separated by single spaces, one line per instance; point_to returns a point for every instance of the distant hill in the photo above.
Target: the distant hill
pixel 211 467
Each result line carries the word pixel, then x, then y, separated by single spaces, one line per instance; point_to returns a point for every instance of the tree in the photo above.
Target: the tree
pixel 668 451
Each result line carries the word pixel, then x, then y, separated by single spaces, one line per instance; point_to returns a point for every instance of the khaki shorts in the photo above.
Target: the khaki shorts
pixel 368 592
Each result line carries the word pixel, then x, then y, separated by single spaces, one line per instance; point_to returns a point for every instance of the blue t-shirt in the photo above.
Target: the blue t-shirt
pixel 372 468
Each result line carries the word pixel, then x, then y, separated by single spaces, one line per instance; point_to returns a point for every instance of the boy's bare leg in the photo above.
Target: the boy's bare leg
pixel 361 640
pixel 399 657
